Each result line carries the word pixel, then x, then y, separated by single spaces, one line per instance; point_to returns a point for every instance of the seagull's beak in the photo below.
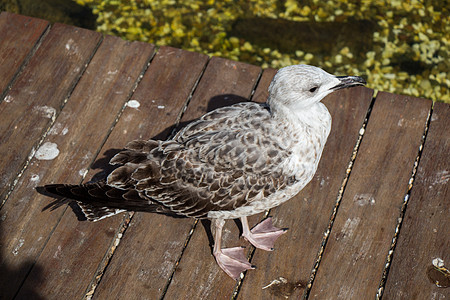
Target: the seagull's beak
pixel 348 81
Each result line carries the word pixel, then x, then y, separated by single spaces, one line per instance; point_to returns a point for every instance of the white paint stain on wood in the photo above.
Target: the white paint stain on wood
pixel 350 226
pixel 133 104
pixel 364 199
pixel 47 151
pixel 46 111
pixel 442 177
pixel 8 99
pixel 57 254
pixel 19 245
pixel 438 262
pixel 58 128
pixel 71 47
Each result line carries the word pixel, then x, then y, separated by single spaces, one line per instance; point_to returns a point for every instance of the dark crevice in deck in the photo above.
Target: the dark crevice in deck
pixel 19 71
pixel 103 265
pixel 186 103
pixel 120 231
pixel 339 197
pixel 25 62
pixel 403 208
pixel 52 121
pixel 174 131
pixel 177 262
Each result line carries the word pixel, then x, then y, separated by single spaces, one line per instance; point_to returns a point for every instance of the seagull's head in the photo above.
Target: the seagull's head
pixel 300 86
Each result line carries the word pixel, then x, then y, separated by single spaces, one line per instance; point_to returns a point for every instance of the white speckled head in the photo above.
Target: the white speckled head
pixel 300 86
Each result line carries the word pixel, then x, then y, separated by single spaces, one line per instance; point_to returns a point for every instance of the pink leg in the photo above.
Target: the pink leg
pixel 263 235
pixel 231 260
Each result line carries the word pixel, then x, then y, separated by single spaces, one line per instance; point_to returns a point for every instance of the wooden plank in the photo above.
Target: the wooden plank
pixel 307 214
pixel 84 243
pixel 262 92
pixel 78 134
pixel 19 35
pixel 38 94
pixel 424 235
pixel 144 260
pixel 224 82
pixel 360 239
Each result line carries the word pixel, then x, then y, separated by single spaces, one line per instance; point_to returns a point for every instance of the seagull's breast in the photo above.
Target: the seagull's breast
pixel 303 141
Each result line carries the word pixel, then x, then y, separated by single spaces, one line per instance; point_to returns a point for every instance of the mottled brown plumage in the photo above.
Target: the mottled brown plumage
pixel 231 163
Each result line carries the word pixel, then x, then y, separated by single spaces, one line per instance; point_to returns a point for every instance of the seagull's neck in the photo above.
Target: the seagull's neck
pixel 315 118
pixel 308 129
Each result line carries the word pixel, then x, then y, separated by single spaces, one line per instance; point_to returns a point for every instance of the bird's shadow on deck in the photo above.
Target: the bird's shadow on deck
pixel 15 274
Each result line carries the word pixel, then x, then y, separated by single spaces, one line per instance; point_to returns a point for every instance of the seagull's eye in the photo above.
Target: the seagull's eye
pixel 313 89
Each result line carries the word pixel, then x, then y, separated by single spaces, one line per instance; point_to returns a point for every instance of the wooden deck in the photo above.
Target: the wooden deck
pixel 370 223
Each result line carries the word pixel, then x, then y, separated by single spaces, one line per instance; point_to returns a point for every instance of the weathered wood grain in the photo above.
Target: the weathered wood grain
pixel 18 35
pixel 38 94
pixel 144 260
pixel 224 82
pixel 78 134
pixel 307 214
pixel 360 239
pixel 425 234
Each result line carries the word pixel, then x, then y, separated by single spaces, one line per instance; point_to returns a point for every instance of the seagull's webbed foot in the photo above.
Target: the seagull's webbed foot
pixel 231 260
pixel 263 235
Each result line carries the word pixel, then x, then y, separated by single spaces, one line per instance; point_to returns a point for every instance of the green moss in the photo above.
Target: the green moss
pixel 61 11
pixel 400 46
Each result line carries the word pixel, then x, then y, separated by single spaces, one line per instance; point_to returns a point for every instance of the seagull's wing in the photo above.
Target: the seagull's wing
pixel 223 161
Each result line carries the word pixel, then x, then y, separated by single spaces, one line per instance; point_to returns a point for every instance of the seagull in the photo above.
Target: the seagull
pixel 231 163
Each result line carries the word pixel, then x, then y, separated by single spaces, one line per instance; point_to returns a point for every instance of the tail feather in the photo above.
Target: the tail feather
pixel 98 200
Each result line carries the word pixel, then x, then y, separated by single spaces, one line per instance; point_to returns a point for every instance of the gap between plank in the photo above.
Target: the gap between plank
pixel 123 226
pixel 25 61
pixel 403 208
pixel 327 232
pixel 3 95
pixel 53 119
pixel 194 225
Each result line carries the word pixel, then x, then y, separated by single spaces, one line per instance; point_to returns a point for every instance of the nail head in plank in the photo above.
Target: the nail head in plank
pixel 307 214
pixel 78 133
pixel 424 235
pixel 19 35
pixel 38 94
pixel 360 239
